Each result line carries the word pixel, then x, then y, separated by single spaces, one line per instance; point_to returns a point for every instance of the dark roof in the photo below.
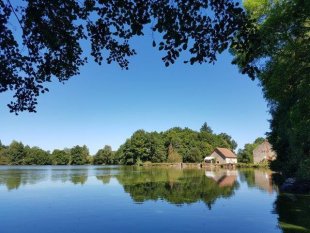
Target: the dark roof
pixel 226 153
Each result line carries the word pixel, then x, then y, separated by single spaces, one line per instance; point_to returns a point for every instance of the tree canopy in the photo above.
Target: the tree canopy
pixel 173 145
pixel 104 156
pixel 48 42
pixel 282 50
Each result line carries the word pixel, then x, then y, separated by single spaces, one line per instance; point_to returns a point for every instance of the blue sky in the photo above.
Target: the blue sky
pixel 105 105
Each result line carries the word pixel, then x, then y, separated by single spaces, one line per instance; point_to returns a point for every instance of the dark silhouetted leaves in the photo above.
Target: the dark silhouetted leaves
pixel 52 32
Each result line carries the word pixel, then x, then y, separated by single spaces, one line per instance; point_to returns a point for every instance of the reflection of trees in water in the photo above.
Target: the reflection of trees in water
pixel 104 174
pixel 74 174
pixel 247 175
pixel 78 179
pixel 14 178
pixel 105 179
pixel 78 176
pixel 173 185
pixel 294 213
pixel 61 174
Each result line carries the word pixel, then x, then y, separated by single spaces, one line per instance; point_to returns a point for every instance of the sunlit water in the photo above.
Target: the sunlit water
pixel 78 199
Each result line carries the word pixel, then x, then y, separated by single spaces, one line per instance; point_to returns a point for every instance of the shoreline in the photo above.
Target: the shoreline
pixel 204 165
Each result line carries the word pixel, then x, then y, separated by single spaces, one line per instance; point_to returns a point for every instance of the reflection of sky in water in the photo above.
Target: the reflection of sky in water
pixel 104 199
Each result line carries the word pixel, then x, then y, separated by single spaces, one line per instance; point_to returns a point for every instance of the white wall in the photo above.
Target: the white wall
pixel 230 160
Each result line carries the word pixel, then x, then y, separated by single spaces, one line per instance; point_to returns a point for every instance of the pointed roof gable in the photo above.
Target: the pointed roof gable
pixel 226 153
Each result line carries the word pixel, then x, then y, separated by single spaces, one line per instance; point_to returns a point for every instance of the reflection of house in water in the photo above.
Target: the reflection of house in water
pixel 263 180
pixel 224 178
pixel 259 178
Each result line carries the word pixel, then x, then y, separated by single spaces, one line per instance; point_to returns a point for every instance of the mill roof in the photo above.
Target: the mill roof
pixel 225 152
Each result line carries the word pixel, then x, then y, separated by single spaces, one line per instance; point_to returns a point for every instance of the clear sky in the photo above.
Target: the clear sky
pixel 105 105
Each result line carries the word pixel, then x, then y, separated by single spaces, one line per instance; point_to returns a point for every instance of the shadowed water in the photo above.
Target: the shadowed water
pixel 129 199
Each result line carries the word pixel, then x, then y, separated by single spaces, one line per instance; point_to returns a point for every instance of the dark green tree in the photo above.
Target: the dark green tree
pixel 137 148
pixel 4 159
pixel 232 144
pixel 16 153
pixel 158 151
pixel 104 156
pixel 60 157
pixel 36 156
pixel 79 155
pixel 194 155
pixel 206 128
pixel 245 155
pixel 281 47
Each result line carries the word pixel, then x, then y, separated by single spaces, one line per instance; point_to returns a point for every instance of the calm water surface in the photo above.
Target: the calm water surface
pixel 78 199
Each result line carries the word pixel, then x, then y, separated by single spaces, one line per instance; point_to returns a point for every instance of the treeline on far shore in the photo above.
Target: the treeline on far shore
pixel 173 145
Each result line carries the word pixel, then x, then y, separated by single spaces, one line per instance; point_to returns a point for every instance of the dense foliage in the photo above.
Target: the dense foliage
pixel 245 155
pixel 282 50
pixel 173 145
pixel 18 154
pixel 48 41
pixel 104 156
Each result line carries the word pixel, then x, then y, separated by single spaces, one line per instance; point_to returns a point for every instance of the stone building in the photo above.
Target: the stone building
pixel 264 152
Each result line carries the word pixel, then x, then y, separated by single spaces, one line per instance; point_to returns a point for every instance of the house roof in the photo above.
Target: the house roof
pixel 225 152
pixel 227 181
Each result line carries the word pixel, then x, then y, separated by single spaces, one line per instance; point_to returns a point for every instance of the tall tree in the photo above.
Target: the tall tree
pixel 16 153
pixel 206 128
pixel 282 50
pixel 104 156
pixel 79 155
pixel 232 144
pixel 60 157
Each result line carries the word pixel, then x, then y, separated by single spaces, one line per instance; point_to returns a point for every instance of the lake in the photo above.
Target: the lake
pixel 78 199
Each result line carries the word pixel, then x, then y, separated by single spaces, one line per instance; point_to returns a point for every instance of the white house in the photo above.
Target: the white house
pixel 221 156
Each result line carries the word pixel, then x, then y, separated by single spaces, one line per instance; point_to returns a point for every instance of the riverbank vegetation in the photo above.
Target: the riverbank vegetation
pixel 281 48
pixel 173 146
